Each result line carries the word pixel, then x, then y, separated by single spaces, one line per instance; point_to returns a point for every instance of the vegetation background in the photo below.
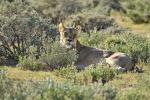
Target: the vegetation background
pixel 33 66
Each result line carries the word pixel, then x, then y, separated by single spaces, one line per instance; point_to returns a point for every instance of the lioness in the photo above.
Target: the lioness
pixel 88 55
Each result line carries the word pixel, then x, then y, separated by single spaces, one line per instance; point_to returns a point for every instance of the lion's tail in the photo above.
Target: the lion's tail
pixel 138 69
pixel 135 67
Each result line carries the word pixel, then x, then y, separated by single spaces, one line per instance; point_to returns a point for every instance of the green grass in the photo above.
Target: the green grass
pixel 23 75
pixel 78 84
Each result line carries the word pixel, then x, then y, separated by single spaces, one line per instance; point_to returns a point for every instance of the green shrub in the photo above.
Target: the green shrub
pixel 136 17
pixel 23 27
pixel 136 46
pixel 55 9
pixel 48 89
pixel 92 22
pixel 23 32
pixel 89 75
pixel 102 72
pixel 30 62
pixel 54 56
pixel 57 56
pixel 66 72
pixel 137 10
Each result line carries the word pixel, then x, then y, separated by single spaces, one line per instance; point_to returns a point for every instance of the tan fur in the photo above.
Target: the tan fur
pixel 88 55
pixel 122 60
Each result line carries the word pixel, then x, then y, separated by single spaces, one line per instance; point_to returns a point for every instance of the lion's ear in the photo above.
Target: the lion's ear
pixel 61 27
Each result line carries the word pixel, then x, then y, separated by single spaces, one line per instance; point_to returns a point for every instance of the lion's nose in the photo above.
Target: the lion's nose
pixel 69 40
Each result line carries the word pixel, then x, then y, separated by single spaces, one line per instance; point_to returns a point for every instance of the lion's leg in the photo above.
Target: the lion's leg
pixel 121 69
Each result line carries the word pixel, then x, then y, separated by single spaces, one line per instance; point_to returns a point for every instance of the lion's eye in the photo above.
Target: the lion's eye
pixel 65 34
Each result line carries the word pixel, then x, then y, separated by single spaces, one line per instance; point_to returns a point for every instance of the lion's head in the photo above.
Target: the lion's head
pixel 68 36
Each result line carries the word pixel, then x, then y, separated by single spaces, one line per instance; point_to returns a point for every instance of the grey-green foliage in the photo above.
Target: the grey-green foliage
pixel 68 72
pixel 90 74
pixel 137 10
pixel 23 28
pixel 62 10
pixel 48 89
pixel 30 61
pixel 52 56
pixel 137 47
pixel 56 55
pixel 102 72
pixel 23 32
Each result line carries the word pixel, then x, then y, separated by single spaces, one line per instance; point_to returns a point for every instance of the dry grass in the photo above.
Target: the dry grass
pixel 125 82
pixel 19 74
pixel 126 22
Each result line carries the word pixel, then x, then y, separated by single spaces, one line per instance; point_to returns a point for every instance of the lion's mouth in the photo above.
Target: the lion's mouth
pixel 70 45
